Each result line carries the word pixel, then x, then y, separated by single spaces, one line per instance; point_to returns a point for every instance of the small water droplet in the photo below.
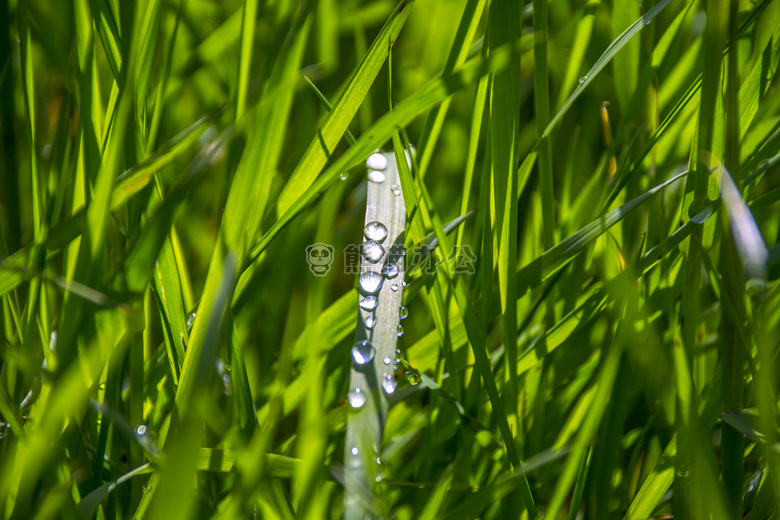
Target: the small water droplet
pixel 368 303
pixel 403 282
pixel 390 271
pixel 376 161
pixel 227 368
pixel 398 351
pixel 190 320
pixel 354 450
pixel 402 312
pixel 356 399
pixel 370 321
pixel 378 460
pixel 400 330
pixel 389 384
pixel 372 251
pixel 362 352
pixel 387 360
pixel 370 282
pixel 343 176
pixel 375 231
pixel 376 176
pixel 413 378
pixel 141 430
pixel 147 489
pixel 583 79
pixel 396 189
pixel 394 287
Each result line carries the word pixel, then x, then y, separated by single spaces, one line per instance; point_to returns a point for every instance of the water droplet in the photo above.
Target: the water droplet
pixel 376 176
pixel 370 321
pixel 362 352
pixel 398 351
pixel 354 450
pixel 147 489
pixel 378 460
pixel 227 368
pixel 390 271
pixel 372 251
pixel 389 384
pixel 228 390
pixel 141 430
pixel 402 312
pixel 368 303
pixel 375 231
pixel 413 378
pixel 394 287
pixel 400 330
pixel 376 161
pixel 370 282
pixel 387 360
pixel 190 320
pixel 396 189
pixel 403 282
pixel 583 79
pixel 343 176
pixel 356 399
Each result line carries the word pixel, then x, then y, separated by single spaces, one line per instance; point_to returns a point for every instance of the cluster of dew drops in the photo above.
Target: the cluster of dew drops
pixel 370 283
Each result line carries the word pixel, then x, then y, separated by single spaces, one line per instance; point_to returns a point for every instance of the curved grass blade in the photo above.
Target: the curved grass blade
pixel 605 58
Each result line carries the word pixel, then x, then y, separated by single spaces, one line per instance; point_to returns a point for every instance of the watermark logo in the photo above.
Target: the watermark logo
pixel 462 259
pixel 320 257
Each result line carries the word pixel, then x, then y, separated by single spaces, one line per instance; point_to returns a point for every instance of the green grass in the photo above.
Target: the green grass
pixel 604 344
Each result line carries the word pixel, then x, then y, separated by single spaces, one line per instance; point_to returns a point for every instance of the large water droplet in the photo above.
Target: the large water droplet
pixel 376 176
pixel 583 79
pixel 141 430
pixel 362 352
pixel 389 384
pixel 356 399
pixel 372 251
pixel 402 312
pixel 368 303
pixel 370 321
pixel 396 189
pixel 375 231
pixel 370 282
pixel 376 161
pixel 400 330
pixel 390 271
pixel 413 378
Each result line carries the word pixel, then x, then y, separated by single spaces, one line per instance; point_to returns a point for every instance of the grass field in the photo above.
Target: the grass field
pixel 586 322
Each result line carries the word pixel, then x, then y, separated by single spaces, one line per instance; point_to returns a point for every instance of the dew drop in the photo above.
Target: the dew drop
pixel 377 161
pixel 370 282
pixel 400 330
pixel 402 312
pixel 354 450
pixel 375 231
pixel 583 79
pixel 387 360
pixel 370 321
pixel 372 251
pixel 141 430
pixel 376 176
pixel 362 352
pixel 396 189
pixel 403 282
pixel 343 176
pixel 390 271
pixel 368 303
pixel 394 287
pixel 414 378
pixel 356 399
pixel 389 384
pixel 190 320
